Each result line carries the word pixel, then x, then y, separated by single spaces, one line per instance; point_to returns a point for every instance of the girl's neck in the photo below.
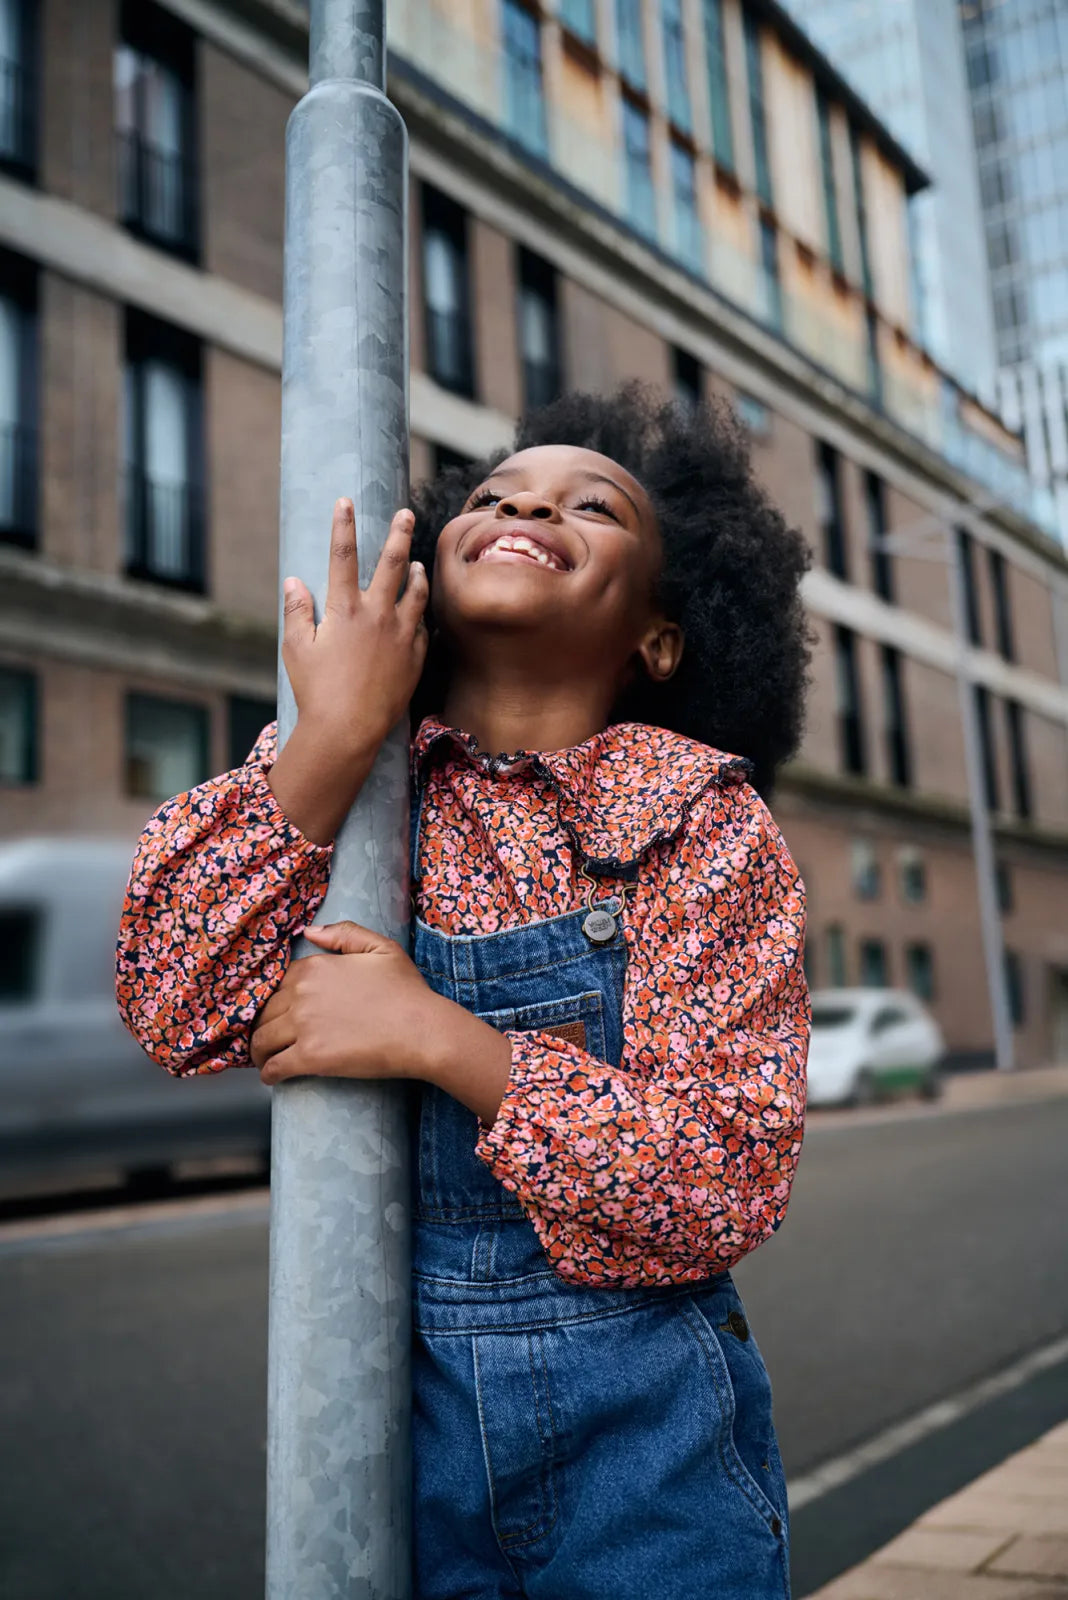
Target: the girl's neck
pixel 506 713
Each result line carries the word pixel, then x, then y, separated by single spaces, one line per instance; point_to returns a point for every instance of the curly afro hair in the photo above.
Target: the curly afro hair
pixel 730 578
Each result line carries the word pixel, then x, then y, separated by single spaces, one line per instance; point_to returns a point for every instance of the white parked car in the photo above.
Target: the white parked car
pixel 76 1090
pixel 868 1044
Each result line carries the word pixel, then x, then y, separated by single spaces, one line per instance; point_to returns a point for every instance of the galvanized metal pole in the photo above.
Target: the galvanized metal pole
pixel 338 1496
pixel 982 836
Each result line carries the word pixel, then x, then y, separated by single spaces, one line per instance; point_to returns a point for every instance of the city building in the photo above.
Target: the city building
pixel 683 192
pixel 907 60
pixel 1017 57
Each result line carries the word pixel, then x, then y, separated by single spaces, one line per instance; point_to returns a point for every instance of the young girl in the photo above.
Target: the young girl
pixel 603 1001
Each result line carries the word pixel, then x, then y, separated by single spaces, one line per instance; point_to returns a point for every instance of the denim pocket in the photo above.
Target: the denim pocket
pixel 737 1370
pixel 556 1016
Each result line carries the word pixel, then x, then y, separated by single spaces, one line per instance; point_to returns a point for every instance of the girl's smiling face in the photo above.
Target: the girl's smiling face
pixel 561 545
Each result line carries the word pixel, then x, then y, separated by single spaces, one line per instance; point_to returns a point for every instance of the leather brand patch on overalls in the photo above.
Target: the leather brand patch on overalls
pixel 569 1032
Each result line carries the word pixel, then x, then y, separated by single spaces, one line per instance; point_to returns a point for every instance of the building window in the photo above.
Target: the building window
pixel 539 333
pixel 18 87
pixel 913 876
pixel 450 359
pixel 18 401
pixel 882 567
pixel 1004 886
pixel 861 213
pixel 718 85
pixel 155 126
pixel 630 43
pixel 919 970
pixel 832 524
pixel 1021 767
pixel 875 370
pixel 754 415
pixel 830 192
pixel 678 90
pixel 988 760
pixel 873 966
pixel 524 99
pixel 1014 983
pixel 1002 606
pixel 769 270
pixel 837 970
pixel 688 378
pixel 898 756
pixel 580 18
pixel 865 871
pixel 757 114
pixel 246 718
pixel 850 724
pixel 18 726
pixel 641 202
pixel 448 460
pixel 166 747
pixel 689 243
pixel 164 454
pixel 966 557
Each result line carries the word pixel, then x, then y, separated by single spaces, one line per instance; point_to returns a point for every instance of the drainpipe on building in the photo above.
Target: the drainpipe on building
pixel 934 539
pixel 338 1455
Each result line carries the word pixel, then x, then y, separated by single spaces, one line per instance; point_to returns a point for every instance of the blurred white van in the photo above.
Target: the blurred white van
pixel 76 1091
pixel 869 1044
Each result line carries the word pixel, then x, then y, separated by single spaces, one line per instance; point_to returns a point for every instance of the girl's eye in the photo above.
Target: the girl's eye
pixel 482 497
pixel 593 503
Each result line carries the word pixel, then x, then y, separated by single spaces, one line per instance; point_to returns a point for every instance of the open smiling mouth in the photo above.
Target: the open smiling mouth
pixel 518 547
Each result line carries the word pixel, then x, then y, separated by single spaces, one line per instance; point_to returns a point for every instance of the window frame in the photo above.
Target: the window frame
pixel 758 121
pixel 831 212
pixel 832 510
pixel 155 35
pixel 442 215
pixel 852 743
pixel 148 340
pixel 21 160
pixel 28 684
pixel 895 718
pixel 537 277
pixel 719 95
pixel 524 78
pixel 135 697
pixel 19 287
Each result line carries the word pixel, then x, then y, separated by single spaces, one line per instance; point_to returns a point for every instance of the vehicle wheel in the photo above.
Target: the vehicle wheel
pixel 865 1091
pixel 932 1083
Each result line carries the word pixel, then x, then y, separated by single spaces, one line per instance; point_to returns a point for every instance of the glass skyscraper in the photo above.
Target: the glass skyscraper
pixel 1017 57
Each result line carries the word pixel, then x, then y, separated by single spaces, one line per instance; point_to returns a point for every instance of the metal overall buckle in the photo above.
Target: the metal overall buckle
pixel 600 926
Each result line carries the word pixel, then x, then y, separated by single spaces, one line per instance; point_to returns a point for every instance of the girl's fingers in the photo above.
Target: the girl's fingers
pixel 277 1068
pixel 271 1037
pixel 298 613
pixel 343 579
pixel 393 562
pixel 412 602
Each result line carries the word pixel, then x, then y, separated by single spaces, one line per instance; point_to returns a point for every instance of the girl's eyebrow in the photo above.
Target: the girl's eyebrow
pixel 587 477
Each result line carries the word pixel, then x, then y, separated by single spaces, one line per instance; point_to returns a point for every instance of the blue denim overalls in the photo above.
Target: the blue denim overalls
pixel 569 1443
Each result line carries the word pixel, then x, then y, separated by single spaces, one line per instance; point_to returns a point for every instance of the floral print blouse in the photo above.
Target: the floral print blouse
pixel 666 1169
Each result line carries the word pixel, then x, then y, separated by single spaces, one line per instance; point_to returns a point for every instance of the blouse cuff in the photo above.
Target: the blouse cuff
pixel 269 823
pixel 540 1063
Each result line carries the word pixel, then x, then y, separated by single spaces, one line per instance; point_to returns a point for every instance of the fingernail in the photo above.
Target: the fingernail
pixel 417 566
pixel 289 586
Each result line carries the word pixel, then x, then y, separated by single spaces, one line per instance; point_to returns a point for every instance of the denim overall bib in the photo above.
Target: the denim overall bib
pixel 569 1443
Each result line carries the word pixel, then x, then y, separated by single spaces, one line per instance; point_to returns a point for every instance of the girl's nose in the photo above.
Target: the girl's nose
pixel 527 504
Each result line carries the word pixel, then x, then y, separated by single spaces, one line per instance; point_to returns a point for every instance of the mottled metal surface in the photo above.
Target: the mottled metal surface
pixel 348 41
pixel 338 1508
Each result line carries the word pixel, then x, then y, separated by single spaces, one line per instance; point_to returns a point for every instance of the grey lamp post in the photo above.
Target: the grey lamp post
pixel 338 1512
pixel 933 539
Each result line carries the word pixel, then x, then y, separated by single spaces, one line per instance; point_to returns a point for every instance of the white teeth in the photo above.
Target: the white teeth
pixel 521 545
pixel 543 559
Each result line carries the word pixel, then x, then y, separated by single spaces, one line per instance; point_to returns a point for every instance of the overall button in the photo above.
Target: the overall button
pixel 738 1326
pixel 600 927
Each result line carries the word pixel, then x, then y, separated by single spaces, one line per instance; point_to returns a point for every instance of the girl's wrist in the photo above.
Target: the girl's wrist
pixel 466 1057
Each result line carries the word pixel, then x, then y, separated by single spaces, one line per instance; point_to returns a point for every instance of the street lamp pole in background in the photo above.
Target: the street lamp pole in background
pixel 338 1468
pixel 934 539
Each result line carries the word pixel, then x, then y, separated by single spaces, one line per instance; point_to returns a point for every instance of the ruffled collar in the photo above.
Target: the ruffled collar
pixel 628 788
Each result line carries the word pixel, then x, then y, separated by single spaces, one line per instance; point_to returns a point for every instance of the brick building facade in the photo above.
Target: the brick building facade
pixel 141 218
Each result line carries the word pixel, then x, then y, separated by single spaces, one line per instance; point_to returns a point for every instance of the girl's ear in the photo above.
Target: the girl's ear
pixel 661 649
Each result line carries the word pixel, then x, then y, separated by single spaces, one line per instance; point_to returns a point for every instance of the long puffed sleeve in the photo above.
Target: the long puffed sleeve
pixel 220 883
pixel 680 1162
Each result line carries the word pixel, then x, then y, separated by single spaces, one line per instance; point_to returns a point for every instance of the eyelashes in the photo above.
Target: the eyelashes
pixel 590 502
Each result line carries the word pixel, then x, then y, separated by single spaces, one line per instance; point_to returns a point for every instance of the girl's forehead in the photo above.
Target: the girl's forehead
pixel 547 466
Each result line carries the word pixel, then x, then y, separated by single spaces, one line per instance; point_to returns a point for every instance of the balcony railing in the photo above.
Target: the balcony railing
pixel 18 485
pixel 449 350
pixel 157 193
pixel 17 122
pixel 164 530
pixel 541 382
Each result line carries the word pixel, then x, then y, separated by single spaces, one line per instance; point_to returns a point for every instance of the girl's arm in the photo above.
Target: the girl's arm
pixel 226 874
pixel 221 882
pixel 680 1162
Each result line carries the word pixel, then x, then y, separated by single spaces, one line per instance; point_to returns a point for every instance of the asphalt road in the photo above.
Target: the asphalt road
pixel 919 1256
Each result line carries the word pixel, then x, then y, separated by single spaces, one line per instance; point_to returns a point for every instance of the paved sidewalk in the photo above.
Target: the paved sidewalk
pixel 1004 1537
pixel 962 1091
